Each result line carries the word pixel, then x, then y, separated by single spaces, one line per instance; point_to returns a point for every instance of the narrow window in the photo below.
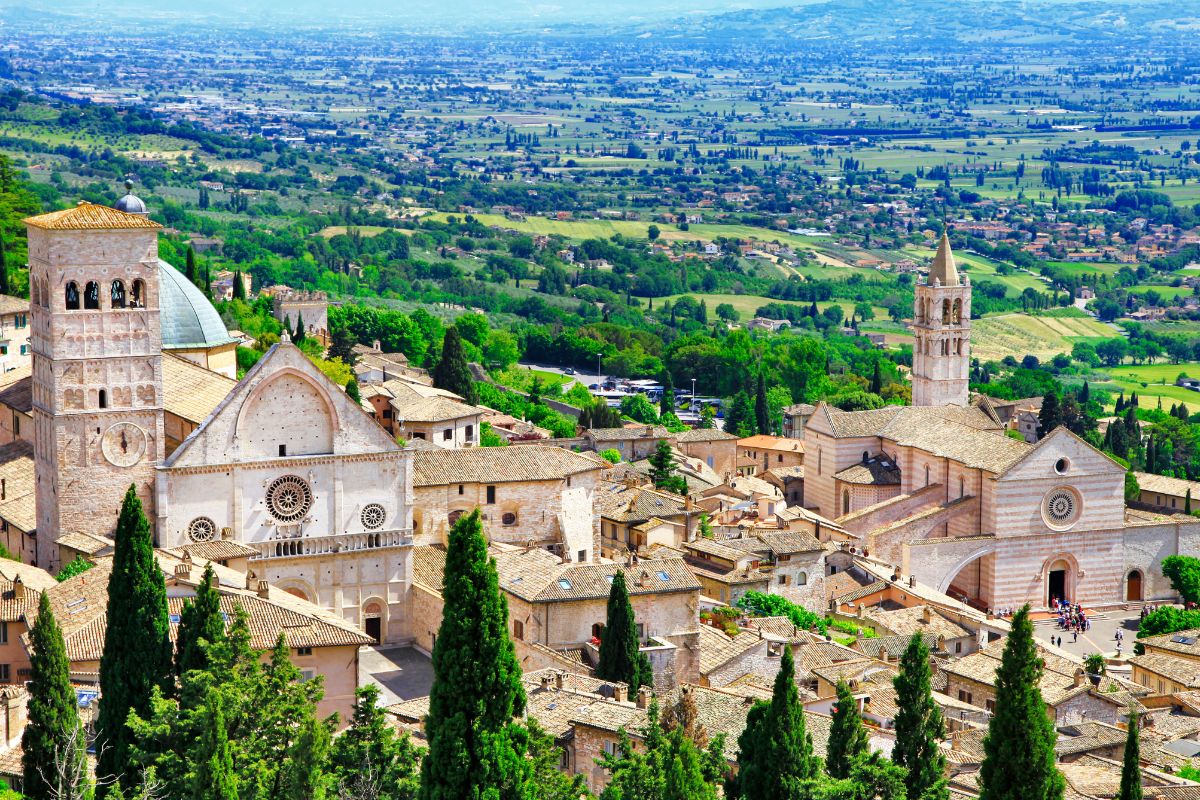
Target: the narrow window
pixel 926 475
pixel 518 629
pixel 491 495
pixel 282 450
pixel 460 488
pixel 103 399
pixel 72 296
pixel 448 434
pixel 117 294
pixel 470 433
pixel 846 501
pixel 91 296
pixel 137 298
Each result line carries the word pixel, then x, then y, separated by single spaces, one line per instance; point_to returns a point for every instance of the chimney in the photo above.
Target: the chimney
pixel 18 588
pixel 862 610
pixel 883 655
pixel 618 693
pixel 546 681
pixel 1080 676
pixel 263 589
pixel 251 577
pixel 926 615
pixel 643 697
pixel 912 581
pixel 558 680
pixel 183 569
pixel 377 346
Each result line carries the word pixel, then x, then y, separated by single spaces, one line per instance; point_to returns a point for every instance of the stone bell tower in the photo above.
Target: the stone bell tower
pixel 942 334
pixel 97 367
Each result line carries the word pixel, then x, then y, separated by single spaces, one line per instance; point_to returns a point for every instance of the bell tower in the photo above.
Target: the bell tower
pixel 942 334
pixel 97 367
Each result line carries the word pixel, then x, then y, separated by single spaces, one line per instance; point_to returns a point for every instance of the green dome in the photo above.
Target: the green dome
pixel 188 319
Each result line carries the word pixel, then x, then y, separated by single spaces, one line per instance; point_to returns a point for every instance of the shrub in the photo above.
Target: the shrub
pixel 773 605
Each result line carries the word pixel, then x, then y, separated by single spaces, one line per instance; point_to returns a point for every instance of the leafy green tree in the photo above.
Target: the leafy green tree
pixel 452 372
pixel 76 566
pixel 667 404
pixel 740 419
pixel 352 391
pixel 662 470
pixel 54 762
pixel 847 736
pixel 1131 768
pixel 5 288
pixel 612 455
pixel 1019 759
pixel 1184 574
pixel 1168 619
pixel 1050 416
pixel 550 782
pixel 776 751
pixel 475 750
pixel 201 625
pixel 872 777
pixel 708 417
pixel 213 777
pixel 669 766
pixel 762 414
pixel 620 656
pixel 637 407
pixel 370 760
pixel 137 650
pixel 919 726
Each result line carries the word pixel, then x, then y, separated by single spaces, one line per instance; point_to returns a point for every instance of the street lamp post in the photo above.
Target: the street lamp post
pixel 693 395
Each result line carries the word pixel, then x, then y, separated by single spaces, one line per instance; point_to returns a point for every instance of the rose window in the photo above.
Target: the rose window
pixel 373 516
pixel 289 498
pixel 201 529
pixel 1061 508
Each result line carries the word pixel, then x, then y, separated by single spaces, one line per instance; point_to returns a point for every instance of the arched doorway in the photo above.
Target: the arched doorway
pixel 373 621
pixel 1058 582
pixel 1133 586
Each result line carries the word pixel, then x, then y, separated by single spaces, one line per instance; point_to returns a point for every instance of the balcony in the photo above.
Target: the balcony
pixel 302 546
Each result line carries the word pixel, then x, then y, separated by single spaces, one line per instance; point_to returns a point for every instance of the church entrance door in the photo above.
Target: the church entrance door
pixel 1133 586
pixel 374 626
pixel 1057 586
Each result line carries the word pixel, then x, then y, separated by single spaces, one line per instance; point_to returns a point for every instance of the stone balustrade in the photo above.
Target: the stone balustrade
pixel 326 545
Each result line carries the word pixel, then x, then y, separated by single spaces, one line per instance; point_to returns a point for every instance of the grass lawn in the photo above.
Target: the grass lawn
pixel 1018 335
pixel 747 304
pixel 1152 381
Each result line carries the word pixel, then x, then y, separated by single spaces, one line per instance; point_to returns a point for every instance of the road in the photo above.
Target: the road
pixel 1100 639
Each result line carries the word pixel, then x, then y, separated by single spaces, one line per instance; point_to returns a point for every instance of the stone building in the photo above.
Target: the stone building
pixel 14 333
pixel 296 307
pixel 942 334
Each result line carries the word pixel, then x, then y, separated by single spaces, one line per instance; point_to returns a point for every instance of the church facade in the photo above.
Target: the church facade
pixel 940 492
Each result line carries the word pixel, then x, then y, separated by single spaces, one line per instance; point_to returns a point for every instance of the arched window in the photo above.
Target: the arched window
pixel 956 313
pixel 866 456
pixel 117 294
pixel 845 501
pixel 72 296
pixel 91 296
pixel 802 579
pixel 137 298
pixel 103 399
pixel 946 311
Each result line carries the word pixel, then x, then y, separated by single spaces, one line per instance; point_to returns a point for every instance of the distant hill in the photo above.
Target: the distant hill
pixel 1027 22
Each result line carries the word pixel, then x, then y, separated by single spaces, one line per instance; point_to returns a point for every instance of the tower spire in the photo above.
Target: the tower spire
pixel 943 268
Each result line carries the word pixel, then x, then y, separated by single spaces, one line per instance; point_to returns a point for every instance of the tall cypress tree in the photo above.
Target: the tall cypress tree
pixel 1019 762
pixel 919 726
pixel 1050 417
pixel 475 750
pixel 200 626
pixel 877 378
pixel 214 777
pixel 239 286
pixel 620 656
pixel 1131 768
pixel 452 372
pixel 137 650
pixel 847 736
pixel 55 760
pixel 776 752
pixel 352 391
pixel 762 415
pixel 298 335
pixel 4 283
pixel 667 404
pixel 190 265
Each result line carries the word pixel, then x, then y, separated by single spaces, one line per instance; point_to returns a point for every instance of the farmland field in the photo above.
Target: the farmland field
pixel 1018 335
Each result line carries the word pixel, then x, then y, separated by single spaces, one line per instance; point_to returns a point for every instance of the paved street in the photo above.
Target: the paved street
pixel 401 673
pixel 1100 639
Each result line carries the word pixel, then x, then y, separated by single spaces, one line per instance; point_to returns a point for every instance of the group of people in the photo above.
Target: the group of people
pixel 1146 609
pixel 1071 617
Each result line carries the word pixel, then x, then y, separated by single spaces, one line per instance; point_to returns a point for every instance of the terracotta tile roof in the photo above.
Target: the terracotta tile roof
pixel 18 392
pixel 220 550
pixel 872 472
pixel 637 504
pixel 704 435
pixel 730 576
pixel 1058 676
pixel 907 621
pixel 717 549
pixel 1181 671
pixel 772 443
pixel 717 648
pixel 1176 487
pixel 626 434
pixel 893 646
pixel 432 409
pixel 1185 642
pixel 13 305
pixel 86 543
pixel 443 467
pixel 868 670
pixel 789 542
pixel 1085 736
pixel 16 469
pixel 90 216
pixel 190 391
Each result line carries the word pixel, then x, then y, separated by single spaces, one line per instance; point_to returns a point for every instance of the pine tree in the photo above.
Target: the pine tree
pixel 620 656
pixel 200 626
pixel 473 749
pixel 919 725
pixel 762 414
pixel 452 371
pixel 4 282
pixel 847 737
pixel 239 286
pixel 370 759
pixel 1019 760
pixel 137 650
pixel 877 379
pixel 662 470
pixel 55 760
pixel 189 268
pixel 352 391
pixel 1131 768
pixel 214 777
pixel 1085 394
pixel 776 752
pixel 1050 417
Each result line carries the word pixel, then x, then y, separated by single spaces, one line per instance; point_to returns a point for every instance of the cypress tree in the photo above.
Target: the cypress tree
pixel 207 287
pixel 620 658
pixel 877 379
pixel 1050 417
pixel 137 650
pixel 239 286
pixel 54 763
pixel 847 736
pixel 762 415
pixel 190 265
pixel 1019 761
pixel 776 751
pixel 298 334
pixel 1187 502
pixel 200 626
pixel 214 778
pixel 474 750
pixel 919 725
pixel 667 404
pixel 1131 771
pixel 352 391
pixel 1085 394
pixel 4 284
pixel 452 371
